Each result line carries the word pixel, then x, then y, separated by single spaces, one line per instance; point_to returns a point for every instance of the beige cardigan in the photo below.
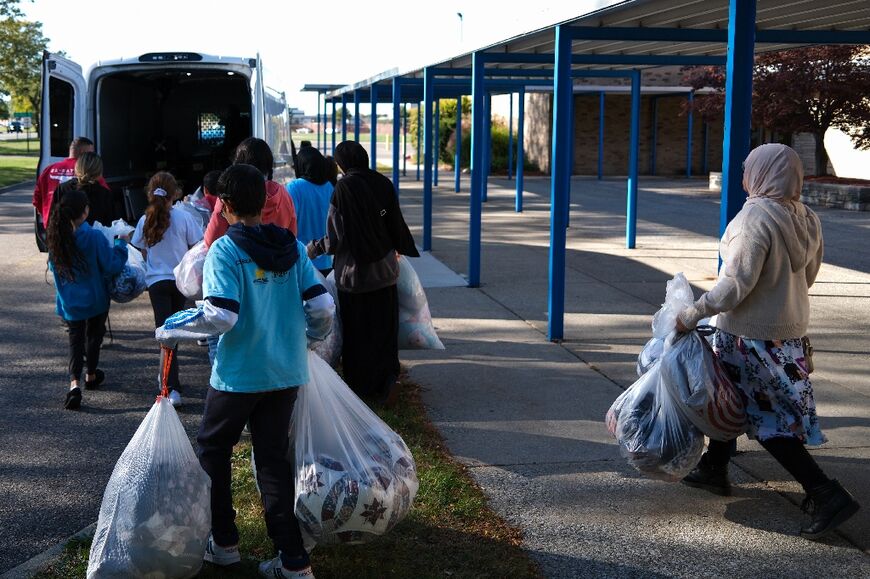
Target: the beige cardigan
pixel 771 253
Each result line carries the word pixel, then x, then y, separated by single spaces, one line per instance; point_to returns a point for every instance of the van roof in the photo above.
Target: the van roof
pixel 179 58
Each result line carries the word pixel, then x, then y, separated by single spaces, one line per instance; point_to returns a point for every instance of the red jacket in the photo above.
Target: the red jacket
pixel 279 210
pixel 51 177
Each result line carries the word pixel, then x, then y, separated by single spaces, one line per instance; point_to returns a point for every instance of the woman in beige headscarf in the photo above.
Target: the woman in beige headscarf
pixel 771 252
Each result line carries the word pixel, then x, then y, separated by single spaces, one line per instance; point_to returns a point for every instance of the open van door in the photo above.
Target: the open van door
pixel 62 117
pixel 258 111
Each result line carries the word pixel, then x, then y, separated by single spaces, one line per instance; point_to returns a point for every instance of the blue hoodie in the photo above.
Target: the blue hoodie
pixel 88 295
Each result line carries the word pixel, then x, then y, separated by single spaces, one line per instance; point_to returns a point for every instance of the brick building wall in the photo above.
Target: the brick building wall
pixel 671 135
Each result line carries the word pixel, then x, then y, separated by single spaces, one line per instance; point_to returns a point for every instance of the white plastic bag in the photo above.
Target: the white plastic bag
pixel 155 516
pixel 678 296
pixel 119 228
pixel 130 283
pixel 416 331
pixel 329 348
pixel 188 272
pixel 200 217
pixel 355 477
pixel 653 430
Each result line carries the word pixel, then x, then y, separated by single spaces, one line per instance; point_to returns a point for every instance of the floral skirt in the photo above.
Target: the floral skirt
pixel 773 376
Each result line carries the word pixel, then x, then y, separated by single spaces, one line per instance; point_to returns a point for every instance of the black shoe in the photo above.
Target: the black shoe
pixel 711 478
pixel 95 383
pixel 73 399
pixel 830 505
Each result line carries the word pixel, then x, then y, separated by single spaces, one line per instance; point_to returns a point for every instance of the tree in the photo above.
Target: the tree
pixel 9 9
pixel 21 48
pixel 812 89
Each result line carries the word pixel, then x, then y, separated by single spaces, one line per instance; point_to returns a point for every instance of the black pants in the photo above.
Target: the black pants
pixel 268 414
pixel 165 301
pixel 370 339
pixel 789 452
pixel 85 340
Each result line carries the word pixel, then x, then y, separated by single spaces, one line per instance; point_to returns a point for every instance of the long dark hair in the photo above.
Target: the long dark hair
pixel 256 152
pixel 60 236
pixel 162 189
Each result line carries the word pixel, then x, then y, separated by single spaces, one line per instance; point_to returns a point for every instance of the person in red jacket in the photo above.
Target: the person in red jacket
pixel 58 173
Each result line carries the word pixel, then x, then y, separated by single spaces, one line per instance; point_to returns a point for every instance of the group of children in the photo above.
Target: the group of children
pixel 263 299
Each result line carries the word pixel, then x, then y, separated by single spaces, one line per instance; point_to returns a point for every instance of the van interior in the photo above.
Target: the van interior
pixel 187 122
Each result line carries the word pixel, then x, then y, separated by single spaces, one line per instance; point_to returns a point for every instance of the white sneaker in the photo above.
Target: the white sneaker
pixel 174 398
pixel 274 569
pixel 218 555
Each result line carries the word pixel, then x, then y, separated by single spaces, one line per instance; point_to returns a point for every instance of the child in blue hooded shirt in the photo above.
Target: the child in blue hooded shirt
pixel 81 260
pixel 262 295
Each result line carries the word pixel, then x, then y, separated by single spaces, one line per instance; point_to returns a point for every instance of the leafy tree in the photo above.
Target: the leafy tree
pixel 10 9
pixel 21 48
pixel 802 90
pixel 5 113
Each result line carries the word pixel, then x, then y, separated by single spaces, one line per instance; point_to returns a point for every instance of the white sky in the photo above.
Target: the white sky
pixel 334 41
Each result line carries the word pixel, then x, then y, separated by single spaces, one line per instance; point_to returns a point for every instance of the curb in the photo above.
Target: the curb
pixel 14 186
pixel 38 562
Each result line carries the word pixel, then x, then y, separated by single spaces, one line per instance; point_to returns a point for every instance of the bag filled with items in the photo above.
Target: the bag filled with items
pixel 130 283
pixel 188 272
pixel 155 516
pixel 416 331
pixel 355 477
pixel 329 348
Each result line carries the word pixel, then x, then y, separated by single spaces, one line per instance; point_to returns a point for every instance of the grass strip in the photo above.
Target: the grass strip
pixel 450 532
pixel 17 169
pixel 28 148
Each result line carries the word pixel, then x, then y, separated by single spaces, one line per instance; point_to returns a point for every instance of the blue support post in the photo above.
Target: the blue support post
pixel 397 104
pixel 356 121
pixel 521 121
pixel 560 184
pixel 654 126
pixel 344 117
pixel 487 146
pixel 373 154
pixel 510 134
pixel 738 106
pixel 405 139
pixel 457 157
pixel 691 129
pixel 600 135
pixel 334 117
pixel 634 154
pixel 478 149
pixel 436 142
pixel 325 117
pixel 705 146
pixel 419 139
pixel 318 120
pixel 428 98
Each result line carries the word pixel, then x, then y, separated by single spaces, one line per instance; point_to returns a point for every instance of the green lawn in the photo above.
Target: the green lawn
pixel 22 147
pixel 450 532
pixel 15 169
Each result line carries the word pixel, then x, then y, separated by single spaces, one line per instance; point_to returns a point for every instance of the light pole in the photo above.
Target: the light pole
pixel 460 26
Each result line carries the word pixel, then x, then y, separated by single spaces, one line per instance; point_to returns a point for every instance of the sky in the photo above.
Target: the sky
pixel 334 42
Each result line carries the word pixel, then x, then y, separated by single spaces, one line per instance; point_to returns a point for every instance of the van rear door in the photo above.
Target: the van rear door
pixel 62 117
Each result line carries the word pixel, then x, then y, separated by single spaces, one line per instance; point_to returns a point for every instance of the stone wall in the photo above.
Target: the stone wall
pixel 852 197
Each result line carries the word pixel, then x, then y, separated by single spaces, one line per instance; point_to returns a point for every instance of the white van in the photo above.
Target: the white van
pixel 181 112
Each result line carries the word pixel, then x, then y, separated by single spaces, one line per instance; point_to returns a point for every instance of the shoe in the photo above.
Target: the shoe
pixel 73 399
pixel 202 342
pixel 92 384
pixel 711 478
pixel 830 505
pixel 222 556
pixel 174 398
pixel 274 569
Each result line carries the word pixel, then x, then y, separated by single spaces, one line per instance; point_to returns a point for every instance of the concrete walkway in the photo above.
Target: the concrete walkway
pixel 526 415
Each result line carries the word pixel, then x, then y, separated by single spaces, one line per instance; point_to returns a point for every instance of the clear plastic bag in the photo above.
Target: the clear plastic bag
pixel 188 272
pixel 653 431
pixel 119 228
pixel 155 516
pixel 700 385
pixel 678 296
pixel 329 348
pixel 355 477
pixel 130 283
pixel 416 331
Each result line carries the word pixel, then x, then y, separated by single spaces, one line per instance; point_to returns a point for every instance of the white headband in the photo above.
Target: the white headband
pixel 159 192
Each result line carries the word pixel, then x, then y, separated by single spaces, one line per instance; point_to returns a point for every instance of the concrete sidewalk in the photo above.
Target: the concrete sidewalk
pixel 527 415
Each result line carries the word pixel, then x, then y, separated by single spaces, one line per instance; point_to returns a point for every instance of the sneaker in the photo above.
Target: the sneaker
pixel 202 342
pixel 99 378
pixel 222 556
pixel 73 399
pixel 829 505
pixel 174 398
pixel 274 569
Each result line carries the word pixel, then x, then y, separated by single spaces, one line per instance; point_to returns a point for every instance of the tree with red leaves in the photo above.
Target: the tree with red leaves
pixel 802 90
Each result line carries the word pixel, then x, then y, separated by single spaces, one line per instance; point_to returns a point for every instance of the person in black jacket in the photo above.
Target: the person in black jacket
pixel 89 174
pixel 365 232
